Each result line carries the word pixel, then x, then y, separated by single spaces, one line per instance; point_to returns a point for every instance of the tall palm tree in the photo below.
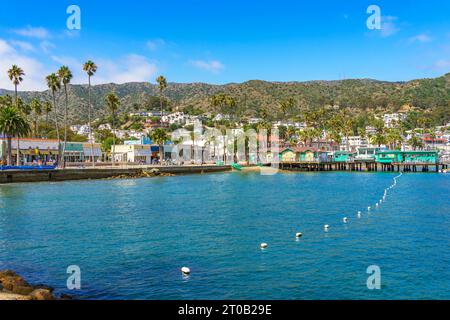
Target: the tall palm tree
pixel 36 106
pixel 113 103
pixel 65 75
pixel 162 85
pixel 90 68
pixel 160 137
pixel 47 110
pixel 54 84
pixel 15 75
pixel 12 124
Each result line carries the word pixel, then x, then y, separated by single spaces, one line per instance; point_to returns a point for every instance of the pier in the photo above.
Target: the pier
pixel 363 166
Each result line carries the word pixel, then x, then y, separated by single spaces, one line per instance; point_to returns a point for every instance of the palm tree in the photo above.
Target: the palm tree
pixel 47 110
pixel 65 75
pixel 160 137
pixel 54 84
pixel 36 106
pixel 162 85
pixel 113 103
pixel 16 74
pixel 416 142
pixel 378 139
pixel 90 68
pixel 12 124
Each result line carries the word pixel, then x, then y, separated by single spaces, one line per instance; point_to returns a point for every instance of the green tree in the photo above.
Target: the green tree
pixel 36 106
pixel 113 103
pixel 162 85
pixel 12 124
pixel 65 76
pixel 416 143
pixel 15 75
pixel 54 84
pixel 90 68
pixel 160 137
pixel 47 110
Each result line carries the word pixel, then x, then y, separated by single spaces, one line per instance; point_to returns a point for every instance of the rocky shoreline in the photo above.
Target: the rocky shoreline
pixel 143 174
pixel 14 287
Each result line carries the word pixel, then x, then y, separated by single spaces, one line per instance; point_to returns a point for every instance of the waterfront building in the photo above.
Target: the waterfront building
pixel 344 156
pixel 288 155
pixel 303 154
pixel 30 150
pixel 407 157
pixel 367 154
pixel 132 153
pixel 77 152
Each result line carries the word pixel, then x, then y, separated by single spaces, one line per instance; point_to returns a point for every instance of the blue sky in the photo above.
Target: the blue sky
pixel 226 41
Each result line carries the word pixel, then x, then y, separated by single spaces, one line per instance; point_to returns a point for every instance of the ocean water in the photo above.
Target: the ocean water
pixel 131 237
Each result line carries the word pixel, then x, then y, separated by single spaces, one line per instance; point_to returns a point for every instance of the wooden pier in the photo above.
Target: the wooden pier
pixel 363 166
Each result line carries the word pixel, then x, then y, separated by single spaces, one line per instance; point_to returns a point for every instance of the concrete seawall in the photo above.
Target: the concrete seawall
pixel 100 173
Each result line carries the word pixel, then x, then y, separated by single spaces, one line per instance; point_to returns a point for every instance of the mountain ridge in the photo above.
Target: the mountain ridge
pixel 255 96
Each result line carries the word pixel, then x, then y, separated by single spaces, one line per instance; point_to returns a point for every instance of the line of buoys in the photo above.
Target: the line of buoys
pixel 326 227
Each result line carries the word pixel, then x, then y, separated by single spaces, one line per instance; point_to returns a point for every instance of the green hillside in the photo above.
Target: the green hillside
pixel 253 97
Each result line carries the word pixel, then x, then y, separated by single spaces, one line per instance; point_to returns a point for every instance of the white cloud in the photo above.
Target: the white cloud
pixel 213 66
pixel 421 38
pixel 33 32
pixel 389 26
pixel 155 44
pixel 25 46
pixel 442 65
pixel 46 46
pixel 34 70
pixel 132 68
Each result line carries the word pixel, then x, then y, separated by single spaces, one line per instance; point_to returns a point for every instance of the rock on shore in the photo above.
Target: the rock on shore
pixel 14 287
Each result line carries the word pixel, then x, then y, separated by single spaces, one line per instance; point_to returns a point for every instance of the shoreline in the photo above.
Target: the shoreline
pixel 15 287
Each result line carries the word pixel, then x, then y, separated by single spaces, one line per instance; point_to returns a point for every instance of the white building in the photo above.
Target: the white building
pixel 105 126
pixel 391 120
pixel 125 134
pixel 84 130
pixel 354 143
pixel 133 153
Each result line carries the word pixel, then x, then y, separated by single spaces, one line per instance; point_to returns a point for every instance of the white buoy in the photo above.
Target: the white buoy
pixel 368 208
pixel 264 245
pixel 298 235
pixel 326 227
pixel 376 205
pixel 359 214
pixel 345 220
pixel 185 270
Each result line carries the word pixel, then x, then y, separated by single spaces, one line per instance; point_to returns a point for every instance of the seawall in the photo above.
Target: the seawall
pixel 17 176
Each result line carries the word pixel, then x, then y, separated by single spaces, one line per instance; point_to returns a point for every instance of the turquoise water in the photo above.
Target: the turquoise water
pixel 131 237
